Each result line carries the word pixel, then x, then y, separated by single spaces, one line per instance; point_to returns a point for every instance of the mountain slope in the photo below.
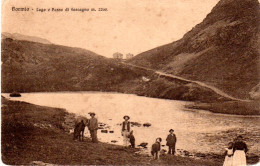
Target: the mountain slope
pixel 35 67
pixel 18 36
pixel 222 51
pixel 30 66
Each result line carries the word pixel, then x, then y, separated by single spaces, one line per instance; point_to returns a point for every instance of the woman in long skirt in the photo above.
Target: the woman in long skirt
pixel 240 149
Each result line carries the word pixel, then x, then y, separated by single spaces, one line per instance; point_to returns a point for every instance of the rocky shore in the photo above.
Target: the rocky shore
pixel 38 135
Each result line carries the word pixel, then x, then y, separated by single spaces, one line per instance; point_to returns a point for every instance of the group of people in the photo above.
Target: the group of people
pixel 236 153
pixel 128 137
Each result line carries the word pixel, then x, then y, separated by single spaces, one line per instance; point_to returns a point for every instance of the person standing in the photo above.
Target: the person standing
pixel 126 130
pixel 171 142
pixel 93 127
pixel 240 150
pixel 228 155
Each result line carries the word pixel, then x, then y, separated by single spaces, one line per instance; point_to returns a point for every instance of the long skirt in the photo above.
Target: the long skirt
pixel 228 161
pixel 126 138
pixel 239 158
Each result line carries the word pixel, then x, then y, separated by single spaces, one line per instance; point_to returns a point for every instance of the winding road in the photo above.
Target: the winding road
pixel 216 90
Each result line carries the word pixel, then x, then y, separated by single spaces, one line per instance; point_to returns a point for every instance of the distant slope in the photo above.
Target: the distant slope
pixel 17 36
pixel 35 67
pixel 30 67
pixel 222 51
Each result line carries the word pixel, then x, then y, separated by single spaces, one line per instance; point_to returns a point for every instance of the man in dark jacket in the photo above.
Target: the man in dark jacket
pixel 171 142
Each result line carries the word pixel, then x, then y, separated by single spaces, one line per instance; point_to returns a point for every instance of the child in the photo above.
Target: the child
pixel 156 147
pixel 229 155
pixel 132 139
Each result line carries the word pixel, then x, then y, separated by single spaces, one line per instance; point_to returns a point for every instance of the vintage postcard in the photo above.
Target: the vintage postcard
pixel 130 82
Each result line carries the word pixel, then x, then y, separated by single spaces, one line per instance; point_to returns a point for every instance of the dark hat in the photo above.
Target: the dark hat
pixel 91 113
pixel 126 116
pixel 171 130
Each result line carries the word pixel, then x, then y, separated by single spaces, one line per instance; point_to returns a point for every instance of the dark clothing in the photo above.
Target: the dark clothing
pixel 132 140
pixel 126 126
pixel 156 147
pixel 240 146
pixel 79 128
pixel 171 142
pixel 171 150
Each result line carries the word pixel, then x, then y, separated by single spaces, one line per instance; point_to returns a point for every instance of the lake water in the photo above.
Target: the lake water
pixel 196 131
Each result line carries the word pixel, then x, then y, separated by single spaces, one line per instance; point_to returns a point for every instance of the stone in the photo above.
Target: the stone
pixel 104 131
pixel 147 124
pixel 143 144
pixel 135 124
pixel 15 94
pixel 114 141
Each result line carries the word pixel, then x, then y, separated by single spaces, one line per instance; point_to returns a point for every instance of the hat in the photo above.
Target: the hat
pixel 126 116
pixel 91 113
pixel 171 130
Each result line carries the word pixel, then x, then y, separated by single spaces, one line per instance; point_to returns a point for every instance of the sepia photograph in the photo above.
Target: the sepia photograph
pixel 130 82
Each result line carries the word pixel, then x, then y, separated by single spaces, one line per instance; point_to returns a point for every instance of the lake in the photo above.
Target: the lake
pixel 196 131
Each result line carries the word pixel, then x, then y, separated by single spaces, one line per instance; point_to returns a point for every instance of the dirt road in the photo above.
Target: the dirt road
pixel 216 90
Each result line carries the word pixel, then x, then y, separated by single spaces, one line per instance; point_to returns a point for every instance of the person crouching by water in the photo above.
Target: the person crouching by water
pixel 93 127
pixel 126 130
pixel 132 139
pixel 240 150
pixel 229 155
pixel 171 142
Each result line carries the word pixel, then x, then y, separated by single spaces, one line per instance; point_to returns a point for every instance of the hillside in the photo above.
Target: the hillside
pixel 18 36
pixel 34 67
pixel 222 51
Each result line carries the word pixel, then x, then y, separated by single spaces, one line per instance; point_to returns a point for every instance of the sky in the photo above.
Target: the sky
pixel 129 26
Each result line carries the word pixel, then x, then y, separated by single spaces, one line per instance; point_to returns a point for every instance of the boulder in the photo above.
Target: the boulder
pixel 135 124
pixel 111 131
pixel 104 131
pixel 15 94
pixel 114 141
pixel 147 124
pixel 143 144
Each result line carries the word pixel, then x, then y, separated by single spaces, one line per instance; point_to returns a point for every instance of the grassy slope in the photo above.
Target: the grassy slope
pixel 34 67
pixel 29 67
pixel 23 142
pixel 221 51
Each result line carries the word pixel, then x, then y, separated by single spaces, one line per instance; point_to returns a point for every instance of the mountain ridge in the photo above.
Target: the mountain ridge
pixel 221 51
pixel 18 36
